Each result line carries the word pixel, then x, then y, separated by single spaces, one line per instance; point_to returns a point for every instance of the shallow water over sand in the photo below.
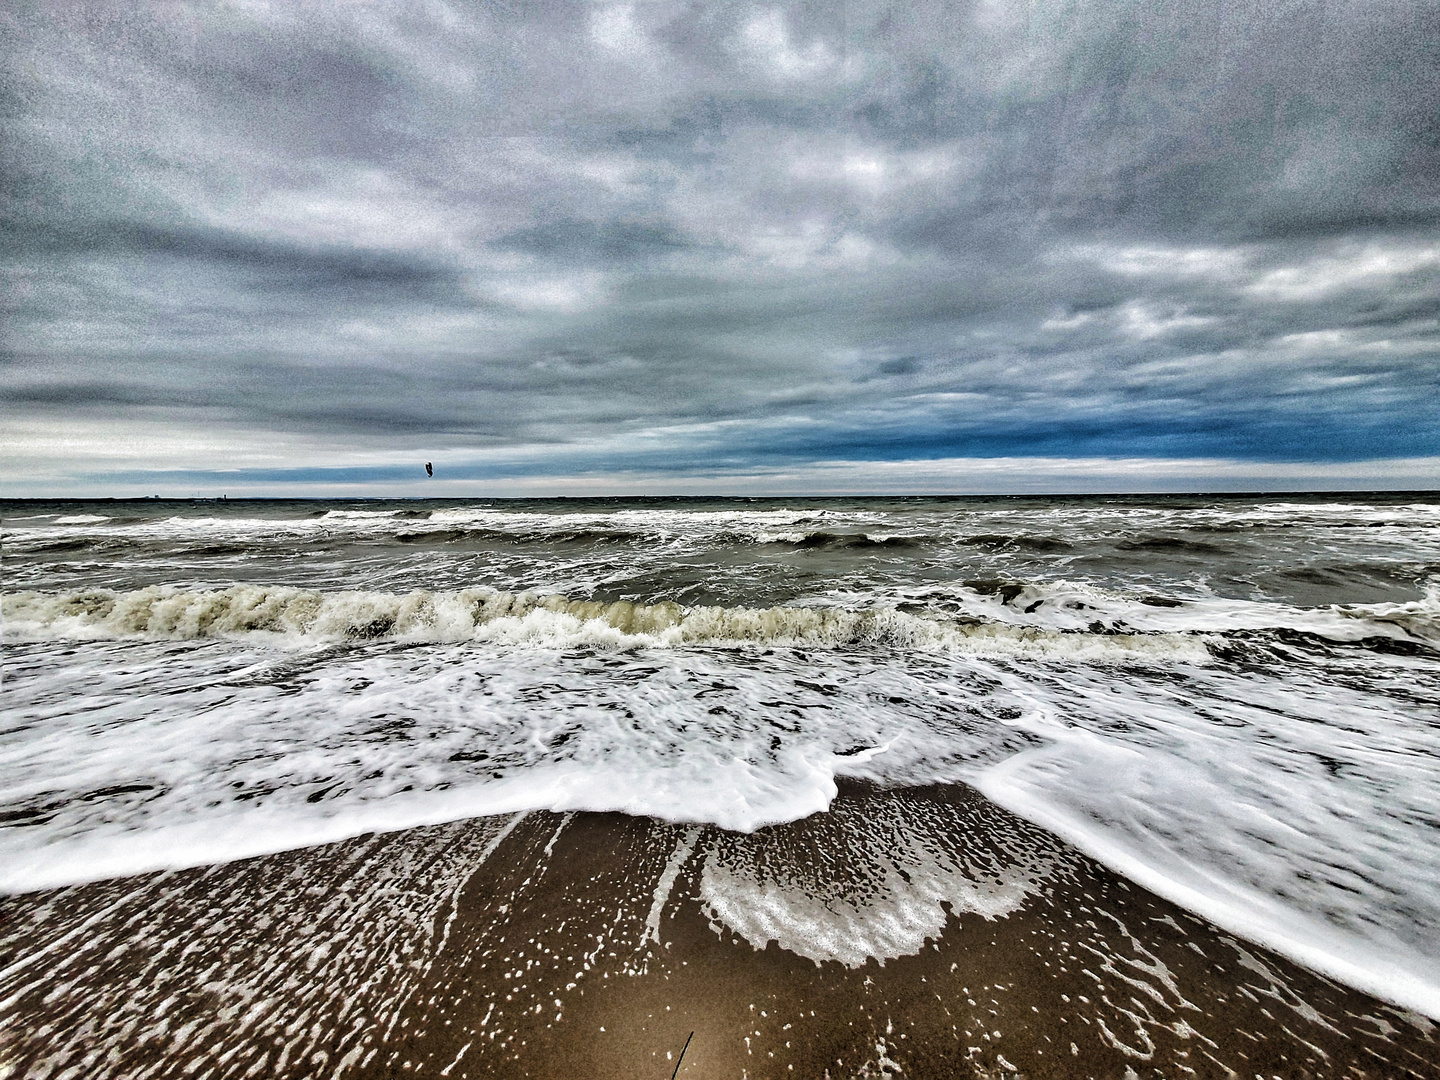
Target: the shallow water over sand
pixel 595 945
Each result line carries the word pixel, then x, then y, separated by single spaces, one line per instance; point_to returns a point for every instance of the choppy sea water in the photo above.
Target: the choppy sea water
pixel 1234 702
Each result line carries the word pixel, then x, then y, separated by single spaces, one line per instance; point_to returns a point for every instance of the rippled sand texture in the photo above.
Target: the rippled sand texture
pixel 917 933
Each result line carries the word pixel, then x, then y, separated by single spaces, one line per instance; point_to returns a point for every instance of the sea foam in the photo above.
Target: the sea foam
pixel 1230 701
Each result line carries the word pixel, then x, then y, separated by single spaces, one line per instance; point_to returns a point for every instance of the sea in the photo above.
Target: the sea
pixel 1232 701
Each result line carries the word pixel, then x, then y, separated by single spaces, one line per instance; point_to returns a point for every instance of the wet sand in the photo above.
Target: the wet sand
pixel 592 945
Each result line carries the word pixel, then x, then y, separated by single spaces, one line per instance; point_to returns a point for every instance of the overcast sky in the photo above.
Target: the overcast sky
pixel 586 247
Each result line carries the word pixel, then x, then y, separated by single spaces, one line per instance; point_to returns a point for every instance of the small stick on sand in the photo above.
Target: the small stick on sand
pixel 682 1055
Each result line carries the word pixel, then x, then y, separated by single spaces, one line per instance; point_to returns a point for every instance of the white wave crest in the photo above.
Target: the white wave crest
pixel 547 621
pixel 1418 619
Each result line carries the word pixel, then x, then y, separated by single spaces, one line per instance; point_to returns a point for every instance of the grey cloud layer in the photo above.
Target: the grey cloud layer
pixel 806 231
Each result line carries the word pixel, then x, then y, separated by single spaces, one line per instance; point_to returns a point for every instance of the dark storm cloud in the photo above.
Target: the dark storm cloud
pixel 572 240
pixel 805 231
pixel 279 265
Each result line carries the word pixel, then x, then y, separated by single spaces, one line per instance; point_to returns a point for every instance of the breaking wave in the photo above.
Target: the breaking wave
pixel 554 620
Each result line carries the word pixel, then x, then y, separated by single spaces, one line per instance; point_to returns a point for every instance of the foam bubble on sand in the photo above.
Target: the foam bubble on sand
pixel 876 886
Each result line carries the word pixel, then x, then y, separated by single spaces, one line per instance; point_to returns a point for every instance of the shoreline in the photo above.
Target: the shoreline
pixel 589 944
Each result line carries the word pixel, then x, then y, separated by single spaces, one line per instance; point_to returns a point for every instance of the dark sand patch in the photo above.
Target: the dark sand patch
pixel 591 945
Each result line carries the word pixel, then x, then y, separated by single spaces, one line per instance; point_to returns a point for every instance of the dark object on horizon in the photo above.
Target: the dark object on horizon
pixel 429 470
pixel 682 1057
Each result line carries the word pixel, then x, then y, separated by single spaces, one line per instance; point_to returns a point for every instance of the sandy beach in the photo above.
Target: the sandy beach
pixel 916 933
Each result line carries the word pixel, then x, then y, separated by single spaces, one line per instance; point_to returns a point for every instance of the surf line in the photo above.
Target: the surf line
pixel 682 1056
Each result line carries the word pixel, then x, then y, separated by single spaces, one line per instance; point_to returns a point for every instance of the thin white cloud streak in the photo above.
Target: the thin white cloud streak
pixel 99 456
pixel 27 476
pixel 970 476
